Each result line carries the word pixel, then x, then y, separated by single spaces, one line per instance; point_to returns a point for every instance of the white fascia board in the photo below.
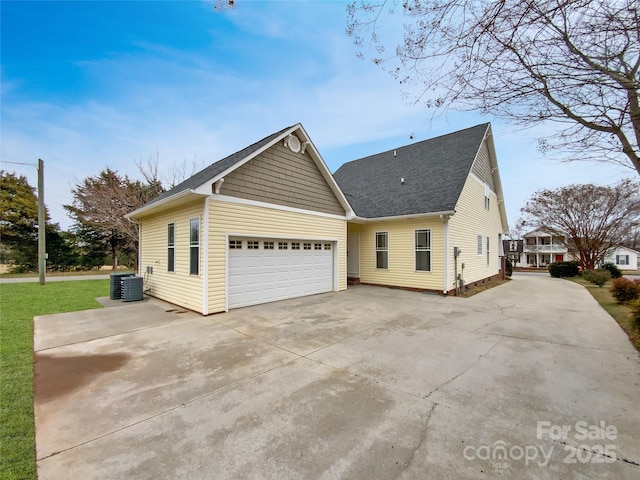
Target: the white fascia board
pixel 326 173
pixel 536 233
pixel 179 197
pixel 357 219
pixel 205 188
pixel 495 172
pixel 623 248
pixel 273 206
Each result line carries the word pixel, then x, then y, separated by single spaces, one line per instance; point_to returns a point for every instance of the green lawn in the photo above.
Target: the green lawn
pixel 19 303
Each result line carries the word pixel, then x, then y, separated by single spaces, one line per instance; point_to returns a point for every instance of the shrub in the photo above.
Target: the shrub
pixel 635 314
pixel 613 270
pixel 625 290
pixel 597 277
pixel 563 269
pixel 508 267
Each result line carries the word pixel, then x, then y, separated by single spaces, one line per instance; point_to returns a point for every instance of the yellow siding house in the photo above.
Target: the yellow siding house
pixel 266 223
pixel 428 216
pixel 270 222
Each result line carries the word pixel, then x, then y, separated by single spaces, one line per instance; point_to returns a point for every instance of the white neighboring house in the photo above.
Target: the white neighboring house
pixel 539 249
pixel 624 258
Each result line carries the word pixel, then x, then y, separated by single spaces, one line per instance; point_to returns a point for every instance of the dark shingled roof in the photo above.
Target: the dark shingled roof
pixel 218 167
pixel 434 173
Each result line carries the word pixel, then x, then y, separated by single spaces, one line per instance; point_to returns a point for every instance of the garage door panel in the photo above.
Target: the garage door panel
pixel 265 275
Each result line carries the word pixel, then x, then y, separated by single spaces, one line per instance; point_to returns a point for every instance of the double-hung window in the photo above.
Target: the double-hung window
pixel 479 244
pixel 423 250
pixel 488 255
pixel 194 246
pixel 382 250
pixel 487 196
pixel 622 259
pixel 171 247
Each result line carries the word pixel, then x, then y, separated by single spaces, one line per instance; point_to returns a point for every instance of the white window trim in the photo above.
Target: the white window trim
pixel 419 249
pixel 385 249
pixel 171 246
pixel 620 257
pixel 487 197
pixel 488 251
pixel 194 245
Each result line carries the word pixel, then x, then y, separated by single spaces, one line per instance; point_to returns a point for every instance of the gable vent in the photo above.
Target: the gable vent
pixel 293 143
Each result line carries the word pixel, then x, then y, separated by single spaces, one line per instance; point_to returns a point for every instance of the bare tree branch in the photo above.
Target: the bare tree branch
pixel 101 203
pixel 592 219
pixel 176 173
pixel 574 62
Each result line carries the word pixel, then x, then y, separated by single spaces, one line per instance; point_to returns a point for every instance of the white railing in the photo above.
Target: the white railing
pixel 544 248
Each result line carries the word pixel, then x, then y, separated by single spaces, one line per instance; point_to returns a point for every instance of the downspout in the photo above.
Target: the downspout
pixel 137 222
pixel 205 267
pixel 445 221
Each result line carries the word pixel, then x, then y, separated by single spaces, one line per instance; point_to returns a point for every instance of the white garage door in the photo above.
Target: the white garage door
pixel 266 270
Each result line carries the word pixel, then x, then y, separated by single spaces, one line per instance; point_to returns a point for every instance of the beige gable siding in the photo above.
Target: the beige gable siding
pixel 472 219
pixel 177 287
pixel 401 271
pixel 285 178
pixel 239 219
pixel 482 166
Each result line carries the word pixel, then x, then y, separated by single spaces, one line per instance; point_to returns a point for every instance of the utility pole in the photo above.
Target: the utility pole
pixel 42 227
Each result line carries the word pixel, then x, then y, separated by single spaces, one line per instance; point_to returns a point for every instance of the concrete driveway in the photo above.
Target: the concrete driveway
pixel 528 380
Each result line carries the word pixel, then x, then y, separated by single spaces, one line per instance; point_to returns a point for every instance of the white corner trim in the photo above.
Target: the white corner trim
pixel 226 272
pixel 139 249
pixel 445 221
pixel 273 206
pixel 205 266
pixel 336 265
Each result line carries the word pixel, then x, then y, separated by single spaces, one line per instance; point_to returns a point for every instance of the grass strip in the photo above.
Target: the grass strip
pixel 19 303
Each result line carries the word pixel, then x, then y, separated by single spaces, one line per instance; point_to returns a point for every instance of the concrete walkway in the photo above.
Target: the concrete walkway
pixel 530 380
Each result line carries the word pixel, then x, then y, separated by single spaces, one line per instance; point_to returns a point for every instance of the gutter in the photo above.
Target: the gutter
pixel 402 217
pixel 164 201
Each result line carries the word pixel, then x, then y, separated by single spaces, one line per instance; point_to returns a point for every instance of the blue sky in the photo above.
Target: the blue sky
pixel 90 85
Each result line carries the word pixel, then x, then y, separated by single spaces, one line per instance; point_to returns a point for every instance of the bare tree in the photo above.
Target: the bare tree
pixel 101 202
pixel 516 231
pixel 222 5
pixel 574 62
pixel 592 219
pixel 176 173
pixel 632 240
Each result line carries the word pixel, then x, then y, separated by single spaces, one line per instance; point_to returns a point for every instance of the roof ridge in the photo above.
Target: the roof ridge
pixel 210 170
pixel 248 147
pixel 485 124
pixel 422 177
pixel 274 134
